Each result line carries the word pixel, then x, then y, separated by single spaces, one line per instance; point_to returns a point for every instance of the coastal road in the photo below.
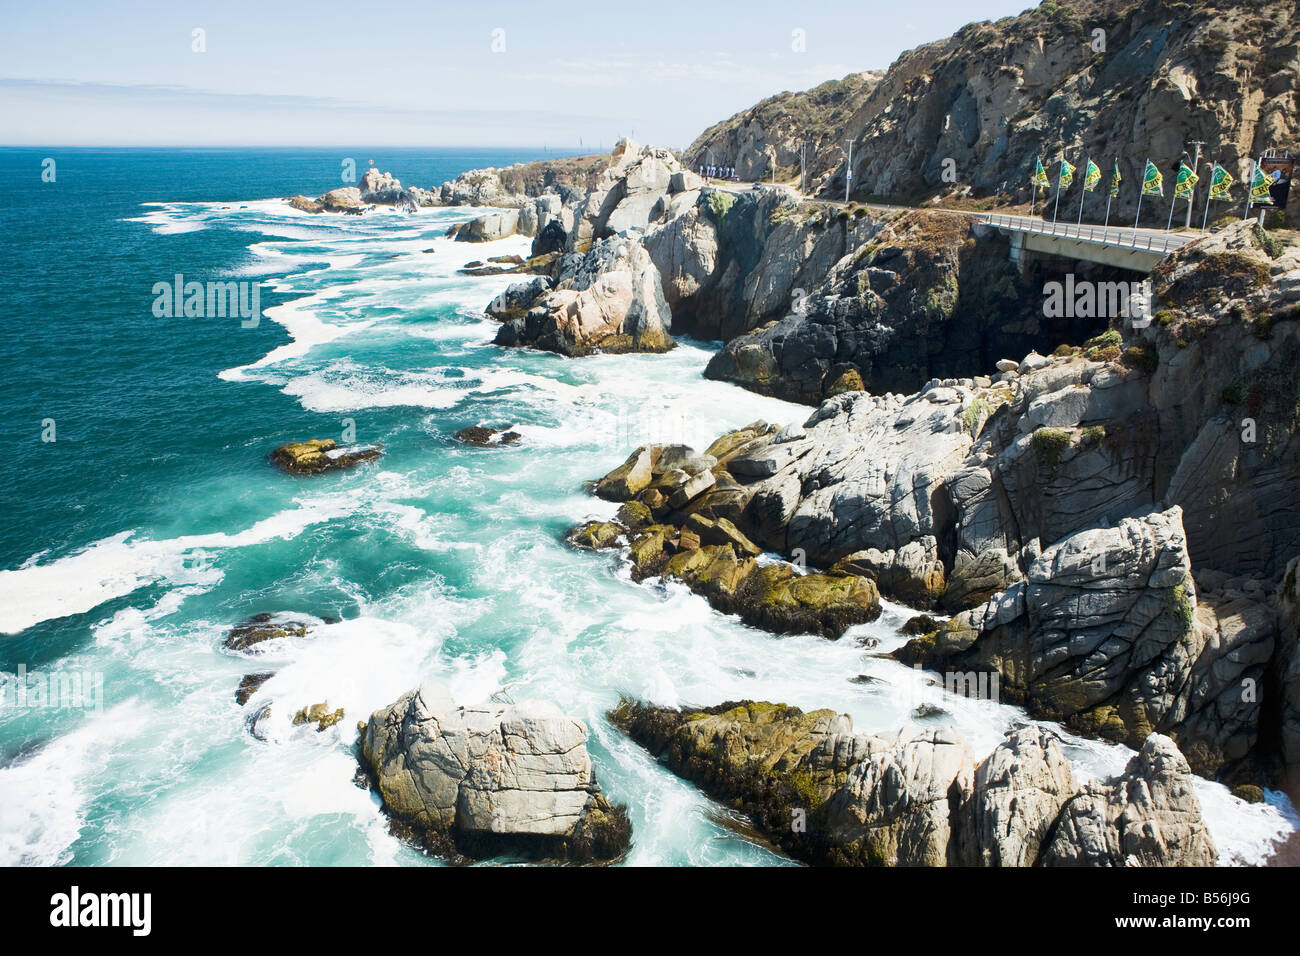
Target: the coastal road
pixel 1153 240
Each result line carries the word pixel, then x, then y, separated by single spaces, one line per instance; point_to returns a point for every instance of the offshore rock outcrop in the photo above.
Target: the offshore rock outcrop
pixel 918 798
pixel 601 291
pixel 320 455
pixel 489 780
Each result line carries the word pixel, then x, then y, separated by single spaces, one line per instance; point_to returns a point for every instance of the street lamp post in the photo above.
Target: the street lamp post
pixel 1196 160
pixel 848 172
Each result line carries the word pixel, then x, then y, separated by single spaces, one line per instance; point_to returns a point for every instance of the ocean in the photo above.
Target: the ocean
pixel 152 522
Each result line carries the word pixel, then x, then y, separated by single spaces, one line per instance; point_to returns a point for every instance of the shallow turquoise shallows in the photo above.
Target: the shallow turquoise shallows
pixel 153 522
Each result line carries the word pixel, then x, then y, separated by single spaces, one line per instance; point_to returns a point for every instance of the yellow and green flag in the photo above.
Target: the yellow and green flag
pixel 1153 184
pixel 1186 182
pixel 1067 175
pixel 1040 174
pixel 1115 177
pixel 1220 180
pixel 1091 176
pixel 1259 195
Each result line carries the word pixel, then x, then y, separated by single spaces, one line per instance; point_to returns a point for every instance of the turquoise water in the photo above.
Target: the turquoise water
pixel 153 522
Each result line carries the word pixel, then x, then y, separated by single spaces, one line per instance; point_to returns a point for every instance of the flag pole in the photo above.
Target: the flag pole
pixel 1110 194
pixel 1209 189
pixel 1057 205
pixel 1083 192
pixel 1250 186
pixel 1174 200
pixel 1142 188
pixel 1033 192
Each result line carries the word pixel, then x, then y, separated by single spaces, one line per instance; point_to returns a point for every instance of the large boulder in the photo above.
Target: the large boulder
pixel 1147 816
pixel 893 809
pixel 485 780
pixel 344 199
pixel 489 228
pixel 608 300
pixel 1015 797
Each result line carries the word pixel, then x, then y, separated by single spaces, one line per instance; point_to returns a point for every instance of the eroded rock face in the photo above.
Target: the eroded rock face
pixel 894 808
pixel 677 524
pixel 1106 633
pixel 489 779
pixel 1148 816
pixel 955 101
pixel 917 798
pixel 1016 795
pixel 320 455
pixel 608 300
pixel 1287 669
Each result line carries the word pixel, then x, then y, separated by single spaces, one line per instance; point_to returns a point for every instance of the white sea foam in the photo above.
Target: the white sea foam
pixel 527 618
pixel 117 566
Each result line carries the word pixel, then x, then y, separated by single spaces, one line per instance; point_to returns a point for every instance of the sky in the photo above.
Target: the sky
pixel 553 73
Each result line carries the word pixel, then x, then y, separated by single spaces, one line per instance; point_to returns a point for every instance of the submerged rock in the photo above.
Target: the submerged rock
pixel 249 685
pixel 318 714
pixel 489 780
pixel 264 627
pixel 321 455
pixel 486 437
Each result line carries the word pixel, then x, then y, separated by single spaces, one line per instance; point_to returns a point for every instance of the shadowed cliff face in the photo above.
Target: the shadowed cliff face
pixel 995 95
pixel 913 297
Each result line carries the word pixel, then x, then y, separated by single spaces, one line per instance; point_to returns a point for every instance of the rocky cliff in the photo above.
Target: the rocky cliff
pixel 1109 525
pixel 765 141
pixel 1101 78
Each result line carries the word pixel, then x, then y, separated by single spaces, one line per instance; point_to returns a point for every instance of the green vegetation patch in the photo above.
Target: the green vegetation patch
pixel 719 203
pixel 1050 445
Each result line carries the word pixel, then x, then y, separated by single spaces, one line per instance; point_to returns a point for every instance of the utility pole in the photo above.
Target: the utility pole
pixel 848 172
pixel 803 166
pixel 1196 163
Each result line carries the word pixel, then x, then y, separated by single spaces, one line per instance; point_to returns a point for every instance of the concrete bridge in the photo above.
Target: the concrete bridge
pixel 1136 249
pixel 1123 248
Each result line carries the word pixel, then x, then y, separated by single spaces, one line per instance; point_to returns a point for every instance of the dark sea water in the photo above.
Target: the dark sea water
pixel 153 522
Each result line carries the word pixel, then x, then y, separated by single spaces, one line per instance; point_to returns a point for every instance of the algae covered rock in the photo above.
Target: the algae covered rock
pixel 918 797
pixel 320 455
pixel 265 627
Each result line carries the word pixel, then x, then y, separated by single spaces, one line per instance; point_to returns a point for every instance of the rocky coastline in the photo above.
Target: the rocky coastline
pixel 1098 510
